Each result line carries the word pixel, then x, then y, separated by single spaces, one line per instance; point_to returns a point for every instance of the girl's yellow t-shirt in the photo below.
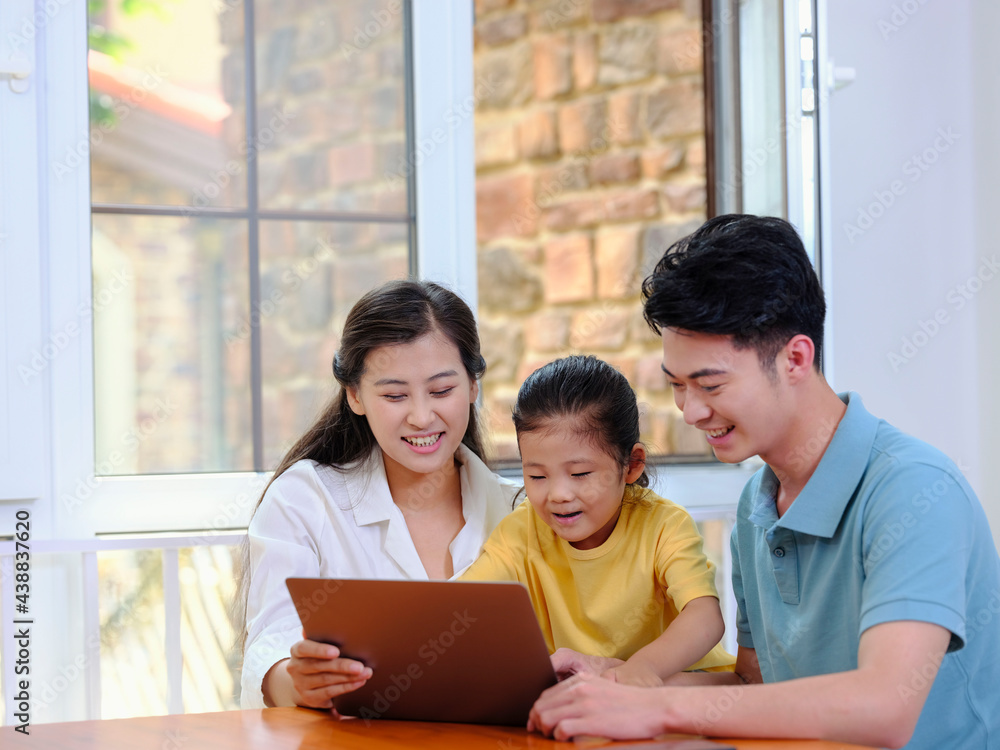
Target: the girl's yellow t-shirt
pixel 616 598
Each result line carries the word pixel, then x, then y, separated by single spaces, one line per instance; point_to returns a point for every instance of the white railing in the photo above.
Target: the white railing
pixel 88 549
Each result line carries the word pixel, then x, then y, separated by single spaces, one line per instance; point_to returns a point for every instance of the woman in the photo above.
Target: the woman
pixel 388 483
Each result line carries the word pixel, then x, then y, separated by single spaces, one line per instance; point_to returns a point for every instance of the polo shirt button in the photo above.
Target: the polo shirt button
pixel 779 551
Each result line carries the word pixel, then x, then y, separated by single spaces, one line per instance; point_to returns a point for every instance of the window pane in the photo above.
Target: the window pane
pixel 208 633
pixel 311 275
pixel 590 160
pixel 324 130
pixel 171 369
pixel 715 532
pixel 133 650
pixel 162 76
pixel 763 123
pixel 132 615
pixel 337 70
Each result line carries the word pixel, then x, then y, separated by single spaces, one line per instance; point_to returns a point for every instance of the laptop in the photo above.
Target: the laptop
pixel 452 651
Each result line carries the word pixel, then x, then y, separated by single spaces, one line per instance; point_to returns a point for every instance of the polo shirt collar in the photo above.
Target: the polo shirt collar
pixel 821 503
pixel 764 512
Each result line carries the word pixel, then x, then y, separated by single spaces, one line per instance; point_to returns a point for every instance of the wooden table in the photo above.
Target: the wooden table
pixel 302 729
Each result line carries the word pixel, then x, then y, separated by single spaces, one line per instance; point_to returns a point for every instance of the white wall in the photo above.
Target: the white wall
pixel 986 124
pixel 921 117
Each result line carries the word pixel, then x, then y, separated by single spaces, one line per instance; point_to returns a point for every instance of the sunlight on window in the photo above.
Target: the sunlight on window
pixel 133 662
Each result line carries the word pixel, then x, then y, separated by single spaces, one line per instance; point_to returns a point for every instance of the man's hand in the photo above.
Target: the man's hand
pixel 881 697
pixel 588 705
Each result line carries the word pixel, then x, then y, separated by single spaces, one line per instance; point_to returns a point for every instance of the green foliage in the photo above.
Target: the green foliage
pixel 114 44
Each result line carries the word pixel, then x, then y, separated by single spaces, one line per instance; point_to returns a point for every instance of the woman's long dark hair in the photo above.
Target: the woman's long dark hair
pixel 397 312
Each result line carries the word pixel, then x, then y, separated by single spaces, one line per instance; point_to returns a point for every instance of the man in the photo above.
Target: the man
pixel 867 581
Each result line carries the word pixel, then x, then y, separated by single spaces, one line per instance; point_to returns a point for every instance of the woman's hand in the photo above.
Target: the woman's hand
pixel 316 675
pixel 566 662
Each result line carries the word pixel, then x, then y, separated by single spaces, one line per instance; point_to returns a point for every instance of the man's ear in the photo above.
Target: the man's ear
pixel 636 463
pixel 799 355
pixel 354 401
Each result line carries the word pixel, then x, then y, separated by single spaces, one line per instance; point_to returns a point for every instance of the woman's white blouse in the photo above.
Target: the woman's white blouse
pixel 316 522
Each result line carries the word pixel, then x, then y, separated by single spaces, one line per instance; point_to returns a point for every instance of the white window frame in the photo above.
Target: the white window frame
pixel 70 501
pixel 22 386
pixel 53 423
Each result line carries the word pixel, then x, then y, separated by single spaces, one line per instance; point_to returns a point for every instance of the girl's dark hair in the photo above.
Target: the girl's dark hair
pixel 591 390
pixel 743 276
pixel 397 312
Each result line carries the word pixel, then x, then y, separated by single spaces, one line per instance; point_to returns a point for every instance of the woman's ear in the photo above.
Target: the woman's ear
pixel 636 463
pixel 354 401
pixel 474 392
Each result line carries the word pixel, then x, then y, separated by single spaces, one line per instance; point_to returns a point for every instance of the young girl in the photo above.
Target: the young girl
pixel 388 483
pixel 613 570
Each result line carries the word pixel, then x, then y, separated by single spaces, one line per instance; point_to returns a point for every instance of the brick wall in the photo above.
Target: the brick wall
pixel 590 161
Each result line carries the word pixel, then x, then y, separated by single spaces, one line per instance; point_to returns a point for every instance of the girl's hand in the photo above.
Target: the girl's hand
pixel 566 662
pixel 629 674
pixel 319 674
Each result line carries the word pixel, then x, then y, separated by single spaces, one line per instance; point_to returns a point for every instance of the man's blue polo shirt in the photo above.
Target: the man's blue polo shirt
pixel 886 529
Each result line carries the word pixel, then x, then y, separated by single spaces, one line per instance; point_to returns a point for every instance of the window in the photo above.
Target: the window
pixel 239 210
pixel 771 89
pixel 591 160
pixel 595 151
pixel 174 229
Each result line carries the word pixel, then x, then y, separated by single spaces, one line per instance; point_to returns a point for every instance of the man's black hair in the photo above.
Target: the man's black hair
pixel 743 276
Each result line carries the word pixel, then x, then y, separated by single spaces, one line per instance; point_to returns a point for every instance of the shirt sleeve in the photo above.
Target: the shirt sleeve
pixel 281 546
pixel 503 558
pixel 682 568
pixel 917 542
pixel 492 565
pixel 744 637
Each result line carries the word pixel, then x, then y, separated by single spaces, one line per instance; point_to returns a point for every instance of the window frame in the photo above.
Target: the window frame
pixel 28 349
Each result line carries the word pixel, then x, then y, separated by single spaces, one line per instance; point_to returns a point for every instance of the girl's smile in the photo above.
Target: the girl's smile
pixel 568 518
